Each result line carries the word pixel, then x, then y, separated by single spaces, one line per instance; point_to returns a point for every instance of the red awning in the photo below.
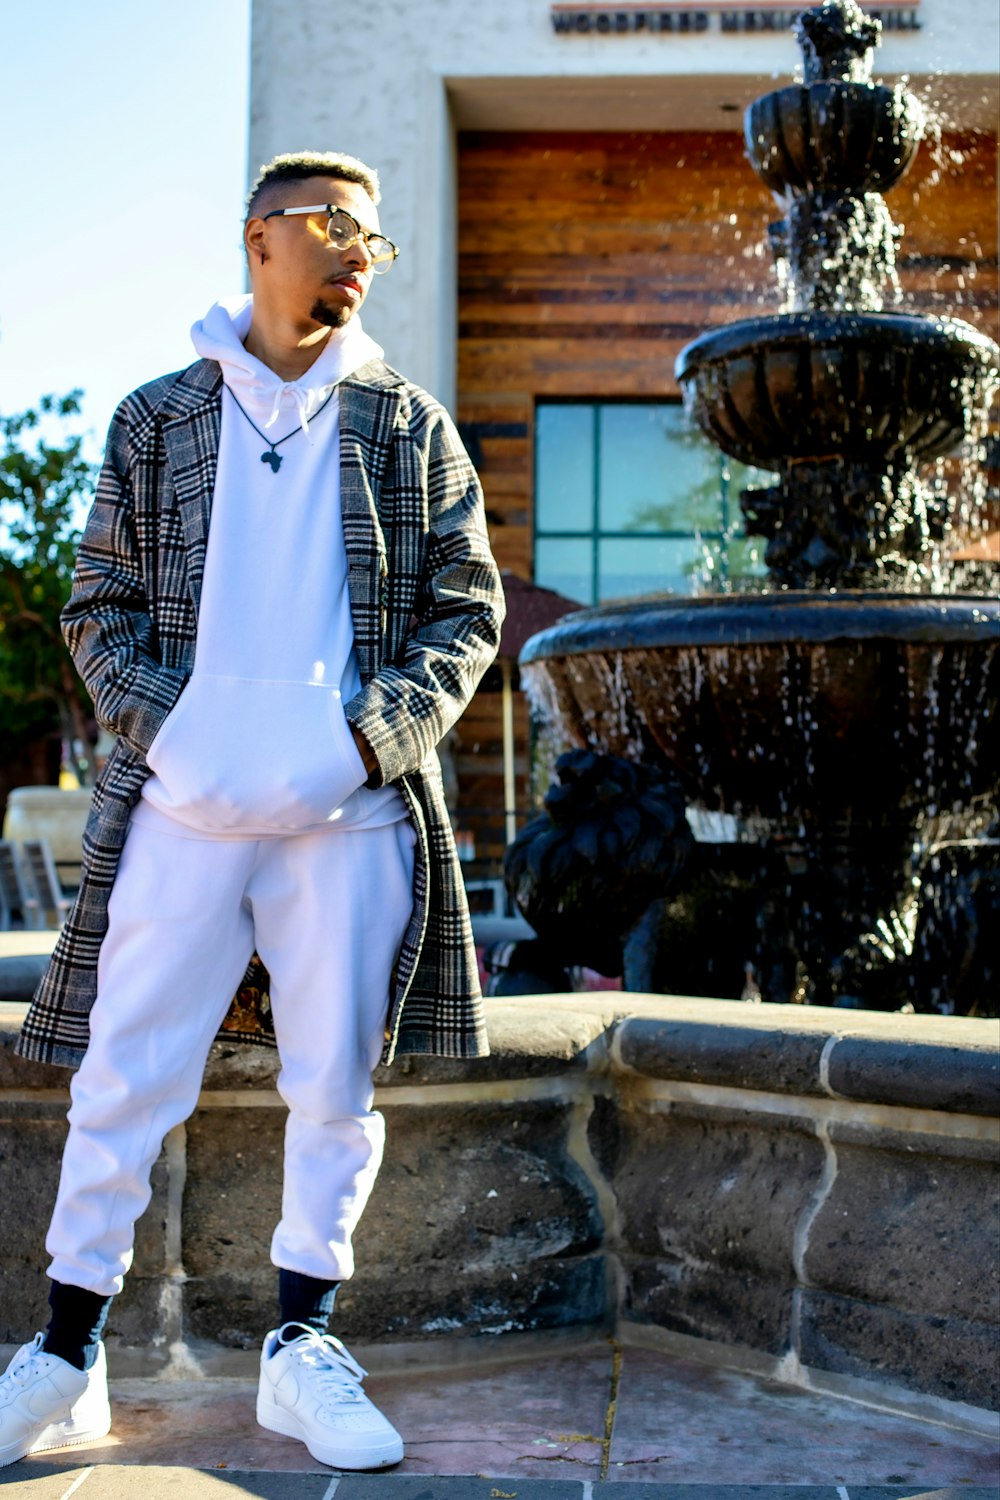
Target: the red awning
pixel 529 610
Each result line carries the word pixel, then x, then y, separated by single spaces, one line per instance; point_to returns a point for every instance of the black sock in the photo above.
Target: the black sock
pixel 76 1325
pixel 305 1299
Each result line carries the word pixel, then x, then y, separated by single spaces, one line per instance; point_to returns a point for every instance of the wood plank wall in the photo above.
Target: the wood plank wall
pixel 587 261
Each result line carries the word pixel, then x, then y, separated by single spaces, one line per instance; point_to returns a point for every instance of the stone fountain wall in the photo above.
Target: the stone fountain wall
pixel 809 1193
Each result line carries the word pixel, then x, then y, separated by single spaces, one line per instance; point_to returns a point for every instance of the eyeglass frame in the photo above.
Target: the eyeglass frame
pixel 362 234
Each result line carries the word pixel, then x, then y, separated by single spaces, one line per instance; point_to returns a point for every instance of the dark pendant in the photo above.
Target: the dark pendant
pixel 272 458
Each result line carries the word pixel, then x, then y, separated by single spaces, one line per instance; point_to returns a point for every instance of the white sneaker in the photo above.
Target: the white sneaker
pixel 310 1389
pixel 47 1403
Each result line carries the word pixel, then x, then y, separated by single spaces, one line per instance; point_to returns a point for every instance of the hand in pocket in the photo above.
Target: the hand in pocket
pixel 244 754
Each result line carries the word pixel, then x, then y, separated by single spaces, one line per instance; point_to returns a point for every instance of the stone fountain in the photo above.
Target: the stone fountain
pixel 844 718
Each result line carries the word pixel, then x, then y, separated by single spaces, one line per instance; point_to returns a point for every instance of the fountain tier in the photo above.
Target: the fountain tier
pixel 843 730
pixel 866 387
pixel 797 711
pixel 833 135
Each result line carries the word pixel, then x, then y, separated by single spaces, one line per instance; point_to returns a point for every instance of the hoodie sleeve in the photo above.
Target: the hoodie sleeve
pixel 107 622
pixel 408 706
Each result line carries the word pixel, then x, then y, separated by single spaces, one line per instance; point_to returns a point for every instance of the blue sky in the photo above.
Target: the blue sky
pixel 124 125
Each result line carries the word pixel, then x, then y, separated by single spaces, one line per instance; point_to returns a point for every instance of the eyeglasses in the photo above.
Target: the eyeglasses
pixel 343 231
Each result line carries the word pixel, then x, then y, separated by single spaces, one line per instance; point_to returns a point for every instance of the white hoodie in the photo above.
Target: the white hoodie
pixel 257 744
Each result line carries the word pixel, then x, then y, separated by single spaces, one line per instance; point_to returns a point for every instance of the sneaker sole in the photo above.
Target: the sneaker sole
pixel 375 1456
pixel 56 1435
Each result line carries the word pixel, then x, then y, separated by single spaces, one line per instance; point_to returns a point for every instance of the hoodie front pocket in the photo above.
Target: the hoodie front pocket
pixel 242 754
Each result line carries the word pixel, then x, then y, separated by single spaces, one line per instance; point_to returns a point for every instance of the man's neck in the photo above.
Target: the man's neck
pixel 283 348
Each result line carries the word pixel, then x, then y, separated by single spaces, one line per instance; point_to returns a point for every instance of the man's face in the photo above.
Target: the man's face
pixel 303 278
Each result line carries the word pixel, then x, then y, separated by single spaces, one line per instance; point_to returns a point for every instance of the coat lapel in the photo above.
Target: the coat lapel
pixel 191 421
pixel 369 403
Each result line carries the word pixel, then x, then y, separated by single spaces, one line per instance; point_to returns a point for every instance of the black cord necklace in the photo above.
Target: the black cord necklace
pixel 272 456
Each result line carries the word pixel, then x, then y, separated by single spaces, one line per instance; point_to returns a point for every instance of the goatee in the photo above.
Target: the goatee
pixel 330 317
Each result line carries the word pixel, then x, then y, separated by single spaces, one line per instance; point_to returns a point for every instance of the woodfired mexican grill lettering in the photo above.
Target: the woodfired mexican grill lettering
pixel 662 17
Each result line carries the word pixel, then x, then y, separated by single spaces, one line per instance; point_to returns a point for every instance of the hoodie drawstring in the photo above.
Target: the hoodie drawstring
pixel 308 402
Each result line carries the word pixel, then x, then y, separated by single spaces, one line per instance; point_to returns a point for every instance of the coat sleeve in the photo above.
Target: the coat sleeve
pixel 107 623
pixel 408 706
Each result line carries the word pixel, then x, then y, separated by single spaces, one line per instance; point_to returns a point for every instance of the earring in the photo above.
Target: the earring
pixel 263 257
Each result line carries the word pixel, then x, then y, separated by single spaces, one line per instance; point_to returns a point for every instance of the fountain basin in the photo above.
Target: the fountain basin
pixel 795 710
pixel 862 386
pixel 832 135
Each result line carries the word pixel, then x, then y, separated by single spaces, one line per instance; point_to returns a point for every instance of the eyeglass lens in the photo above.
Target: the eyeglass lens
pixel 342 231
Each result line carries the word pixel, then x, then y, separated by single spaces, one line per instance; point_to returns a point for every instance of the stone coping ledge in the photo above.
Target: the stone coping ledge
pixel 944 1063
pixel 814 1186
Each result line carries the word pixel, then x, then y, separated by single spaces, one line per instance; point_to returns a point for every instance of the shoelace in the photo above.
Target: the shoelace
pixel 20 1366
pixel 338 1373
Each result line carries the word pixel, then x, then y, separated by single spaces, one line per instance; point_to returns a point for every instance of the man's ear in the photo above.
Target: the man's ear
pixel 254 235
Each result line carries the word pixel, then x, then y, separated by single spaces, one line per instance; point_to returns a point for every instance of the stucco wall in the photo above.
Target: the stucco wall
pixel 391 82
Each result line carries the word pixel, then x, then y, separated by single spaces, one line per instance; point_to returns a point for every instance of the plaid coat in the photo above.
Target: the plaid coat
pixel 427 607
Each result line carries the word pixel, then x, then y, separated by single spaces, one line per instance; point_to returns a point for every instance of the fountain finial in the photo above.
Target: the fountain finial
pixel 838 41
pixel 839 397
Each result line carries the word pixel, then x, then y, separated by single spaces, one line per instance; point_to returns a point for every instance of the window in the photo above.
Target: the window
pixel 631 499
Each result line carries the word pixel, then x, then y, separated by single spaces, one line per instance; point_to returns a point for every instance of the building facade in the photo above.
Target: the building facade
pixel 569 187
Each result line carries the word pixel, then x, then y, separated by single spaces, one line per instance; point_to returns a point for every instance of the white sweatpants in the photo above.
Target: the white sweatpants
pixel 327 913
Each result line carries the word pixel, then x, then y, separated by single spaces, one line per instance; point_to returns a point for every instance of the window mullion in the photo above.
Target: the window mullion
pixel 596 509
pixel 724 477
pixel 683 495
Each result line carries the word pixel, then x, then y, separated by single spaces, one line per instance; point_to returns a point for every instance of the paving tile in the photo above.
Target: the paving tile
pixel 384 1487
pixel 614 1491
pixel 893 1492
pixel 266 1486
pixel 129 1482
pixel 541 1419
pixel 201 1424
pixel 681 1421
pixel 168 1482
pixel 273 1487
pixel 682 1432
pixel 41 1479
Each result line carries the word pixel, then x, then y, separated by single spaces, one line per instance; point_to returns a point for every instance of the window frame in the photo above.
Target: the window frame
pixel 595 535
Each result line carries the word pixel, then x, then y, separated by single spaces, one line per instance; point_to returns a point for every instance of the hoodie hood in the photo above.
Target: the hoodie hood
pixel 264 395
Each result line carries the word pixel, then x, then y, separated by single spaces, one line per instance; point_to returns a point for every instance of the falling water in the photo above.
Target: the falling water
pixel 851 737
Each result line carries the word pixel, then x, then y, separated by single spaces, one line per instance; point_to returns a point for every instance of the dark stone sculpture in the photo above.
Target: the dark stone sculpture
pixel 851 737
pixel 611 841
pixel 838 41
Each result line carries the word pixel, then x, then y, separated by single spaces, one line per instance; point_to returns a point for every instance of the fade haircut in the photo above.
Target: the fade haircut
pixel 297 166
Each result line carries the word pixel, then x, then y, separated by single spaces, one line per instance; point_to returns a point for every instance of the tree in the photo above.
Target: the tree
pixel 43 488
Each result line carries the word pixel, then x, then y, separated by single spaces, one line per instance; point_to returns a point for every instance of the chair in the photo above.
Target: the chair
pixel 40 872
pixel 18 906
pixel 487 897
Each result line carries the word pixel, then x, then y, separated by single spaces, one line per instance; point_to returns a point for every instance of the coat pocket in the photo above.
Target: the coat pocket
pixel 246 755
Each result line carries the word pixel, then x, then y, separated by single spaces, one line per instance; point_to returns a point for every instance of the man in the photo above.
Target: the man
pixel 278 682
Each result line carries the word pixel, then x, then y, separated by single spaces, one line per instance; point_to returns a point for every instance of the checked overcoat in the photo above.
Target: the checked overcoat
pixel 427 606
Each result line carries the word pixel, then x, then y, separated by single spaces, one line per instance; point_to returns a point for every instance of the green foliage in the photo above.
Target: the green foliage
pixel 45 482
